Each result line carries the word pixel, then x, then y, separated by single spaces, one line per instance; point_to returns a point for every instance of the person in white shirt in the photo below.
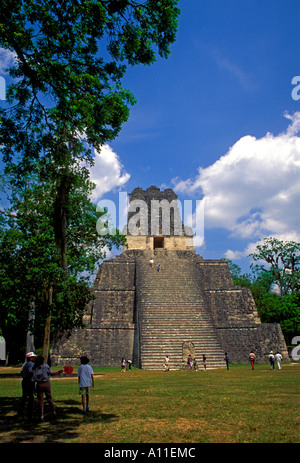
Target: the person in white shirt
pixel 167 366
pixel 278 358
pixel 85 382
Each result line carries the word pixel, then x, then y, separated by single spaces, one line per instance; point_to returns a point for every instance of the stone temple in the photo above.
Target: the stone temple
pixel 190 306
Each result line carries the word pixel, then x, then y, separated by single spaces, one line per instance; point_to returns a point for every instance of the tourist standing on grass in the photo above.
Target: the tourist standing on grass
pixel 85 382
pixel 123 364
pixel 41 373
pixel 278 358
pixel 129 364
pixel 167 365
pixel 28 384
pixel 190 362
pixel 195 364
pixel 252 359
pixel 204 361
pixel 272 360
pixel 226 358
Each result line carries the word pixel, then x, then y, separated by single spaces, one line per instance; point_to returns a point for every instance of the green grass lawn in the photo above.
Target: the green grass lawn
pixel 213 406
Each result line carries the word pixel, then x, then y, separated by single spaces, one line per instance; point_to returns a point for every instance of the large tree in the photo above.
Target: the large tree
pixel 31 277
pixel 66 96
pixel 281 261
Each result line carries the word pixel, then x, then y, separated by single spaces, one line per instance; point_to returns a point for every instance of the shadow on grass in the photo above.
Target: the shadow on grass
pixel 15 429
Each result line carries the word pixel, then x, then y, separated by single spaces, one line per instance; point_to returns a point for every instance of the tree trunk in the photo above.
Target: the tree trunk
pixel 47 326
pixel 60 223
pixel 30 337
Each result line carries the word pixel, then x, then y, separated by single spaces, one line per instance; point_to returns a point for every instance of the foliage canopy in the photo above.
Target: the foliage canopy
pixel 65 99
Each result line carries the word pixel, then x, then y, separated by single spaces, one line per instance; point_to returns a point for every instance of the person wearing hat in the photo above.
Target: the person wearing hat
pixel 41 373
pixel 28 385
pixel 272 360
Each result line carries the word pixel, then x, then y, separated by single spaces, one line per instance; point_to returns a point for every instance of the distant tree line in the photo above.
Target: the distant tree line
pixel 274 282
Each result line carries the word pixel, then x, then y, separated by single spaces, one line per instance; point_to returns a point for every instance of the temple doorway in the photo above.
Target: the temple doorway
pixel 158 242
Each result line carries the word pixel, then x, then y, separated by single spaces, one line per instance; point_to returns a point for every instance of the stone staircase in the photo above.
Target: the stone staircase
pixel 172 311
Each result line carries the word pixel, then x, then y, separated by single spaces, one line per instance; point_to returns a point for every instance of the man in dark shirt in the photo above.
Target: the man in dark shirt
pixel 27 385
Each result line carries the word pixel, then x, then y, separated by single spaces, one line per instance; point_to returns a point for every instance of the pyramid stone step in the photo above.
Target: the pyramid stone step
pixel 172 311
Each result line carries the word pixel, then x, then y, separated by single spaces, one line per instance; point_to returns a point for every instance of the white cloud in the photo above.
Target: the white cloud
pixel 7 58
pixel 237 255
pixel 107 172
pixel 253 191
pixel 234 255
pixel 294 128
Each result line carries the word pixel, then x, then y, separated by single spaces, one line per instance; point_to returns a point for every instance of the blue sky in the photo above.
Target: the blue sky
pixel 217 120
